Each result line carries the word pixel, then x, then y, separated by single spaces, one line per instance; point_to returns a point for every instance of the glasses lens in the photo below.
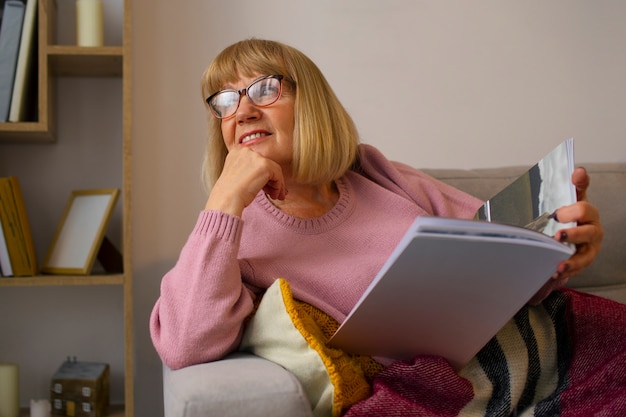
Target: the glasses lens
pixel 264 91
pixel 225 103
pixel 261 92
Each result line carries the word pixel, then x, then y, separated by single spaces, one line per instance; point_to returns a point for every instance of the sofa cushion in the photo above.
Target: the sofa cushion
pixel 293 334
pixel 272 334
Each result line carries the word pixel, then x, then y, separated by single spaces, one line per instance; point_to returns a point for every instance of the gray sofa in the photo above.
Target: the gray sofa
pixel 245 385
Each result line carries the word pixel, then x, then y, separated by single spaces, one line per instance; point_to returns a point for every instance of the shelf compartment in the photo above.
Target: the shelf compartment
pixel 65 61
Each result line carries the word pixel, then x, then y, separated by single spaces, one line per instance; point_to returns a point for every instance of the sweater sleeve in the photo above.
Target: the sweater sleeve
pixel 203 303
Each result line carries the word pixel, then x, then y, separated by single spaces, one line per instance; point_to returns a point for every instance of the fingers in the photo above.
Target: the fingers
pixel 245 173
pixel 581 181
pixel 582 258
pixel 275 189
pixel 586 236
pixel 587 249
pixel 581 212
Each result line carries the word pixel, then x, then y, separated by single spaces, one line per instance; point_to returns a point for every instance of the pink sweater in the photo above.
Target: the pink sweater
pixel 328 260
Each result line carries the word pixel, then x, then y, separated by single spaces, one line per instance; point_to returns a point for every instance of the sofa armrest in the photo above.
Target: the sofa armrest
pixel 239 385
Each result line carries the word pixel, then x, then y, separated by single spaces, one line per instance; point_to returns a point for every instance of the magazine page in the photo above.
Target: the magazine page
pixel 531 199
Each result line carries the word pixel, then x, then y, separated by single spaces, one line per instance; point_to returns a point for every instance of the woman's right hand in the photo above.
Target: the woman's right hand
pixel 245 173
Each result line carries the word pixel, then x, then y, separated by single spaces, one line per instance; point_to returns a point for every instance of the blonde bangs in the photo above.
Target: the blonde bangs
pixel 248 58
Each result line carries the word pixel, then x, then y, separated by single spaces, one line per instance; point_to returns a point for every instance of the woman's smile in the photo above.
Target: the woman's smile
pixel 253 137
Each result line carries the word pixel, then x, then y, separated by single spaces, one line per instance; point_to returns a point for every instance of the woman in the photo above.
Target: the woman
pixel 294 195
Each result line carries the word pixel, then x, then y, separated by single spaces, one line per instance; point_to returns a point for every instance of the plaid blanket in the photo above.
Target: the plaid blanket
pixel 566 357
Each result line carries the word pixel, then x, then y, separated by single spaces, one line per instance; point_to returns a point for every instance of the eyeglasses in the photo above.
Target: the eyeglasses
pixel 262 92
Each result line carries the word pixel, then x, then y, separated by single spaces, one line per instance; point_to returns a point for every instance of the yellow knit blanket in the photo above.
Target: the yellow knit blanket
pixel 294 334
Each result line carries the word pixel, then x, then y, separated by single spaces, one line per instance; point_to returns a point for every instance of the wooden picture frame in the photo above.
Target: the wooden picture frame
pixel 80 232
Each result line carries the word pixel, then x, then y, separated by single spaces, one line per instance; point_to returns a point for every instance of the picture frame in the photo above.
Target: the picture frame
pixel 80 232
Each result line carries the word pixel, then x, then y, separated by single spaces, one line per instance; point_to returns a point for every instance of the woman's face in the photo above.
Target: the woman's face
pixel 266 130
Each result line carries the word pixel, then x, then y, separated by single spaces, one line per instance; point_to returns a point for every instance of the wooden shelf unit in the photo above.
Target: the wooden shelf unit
pixel 73 61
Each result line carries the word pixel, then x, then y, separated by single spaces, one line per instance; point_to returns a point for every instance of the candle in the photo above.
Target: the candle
pixel 40 408
pixel 89 23
pixel 9 390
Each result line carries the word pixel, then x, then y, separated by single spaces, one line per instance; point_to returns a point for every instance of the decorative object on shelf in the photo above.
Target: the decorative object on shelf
pixel 89 23
pixel 9 390
pixel 40 408
pixel 80 234
pixel 80 389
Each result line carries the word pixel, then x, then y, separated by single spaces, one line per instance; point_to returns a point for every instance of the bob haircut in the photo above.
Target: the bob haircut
pixel 325 137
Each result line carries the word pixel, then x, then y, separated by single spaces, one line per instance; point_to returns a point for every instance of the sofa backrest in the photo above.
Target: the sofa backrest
pixel 607 275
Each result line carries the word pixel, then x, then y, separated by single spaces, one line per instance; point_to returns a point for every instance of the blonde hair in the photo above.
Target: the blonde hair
pixel 325 137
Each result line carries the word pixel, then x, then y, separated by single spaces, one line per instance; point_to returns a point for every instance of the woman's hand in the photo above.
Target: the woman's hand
pixel 245 173
pixel 586 235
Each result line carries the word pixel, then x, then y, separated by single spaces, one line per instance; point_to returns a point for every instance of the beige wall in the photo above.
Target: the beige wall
pixel 434 84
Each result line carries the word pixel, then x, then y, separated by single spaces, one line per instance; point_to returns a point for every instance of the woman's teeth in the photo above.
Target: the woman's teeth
pixel 252 136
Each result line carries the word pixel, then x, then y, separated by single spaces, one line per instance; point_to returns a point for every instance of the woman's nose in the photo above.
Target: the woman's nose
pixel 247 110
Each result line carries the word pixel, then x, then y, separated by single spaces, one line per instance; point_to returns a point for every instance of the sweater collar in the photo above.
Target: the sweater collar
pixel 330 219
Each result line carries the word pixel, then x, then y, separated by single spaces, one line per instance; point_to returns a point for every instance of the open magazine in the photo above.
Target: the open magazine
pixel 450 285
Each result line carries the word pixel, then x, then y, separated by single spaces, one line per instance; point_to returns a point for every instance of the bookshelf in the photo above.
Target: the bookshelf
pixel 57 62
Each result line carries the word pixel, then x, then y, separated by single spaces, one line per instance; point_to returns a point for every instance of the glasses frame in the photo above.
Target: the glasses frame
pixel 245 91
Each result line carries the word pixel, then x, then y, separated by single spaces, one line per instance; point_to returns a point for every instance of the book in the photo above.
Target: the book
pixel 25 80
pixel 25 229
pixel 14 218
pixel 9 226
pixel 450 285
pixel 10 33
pixel 5 261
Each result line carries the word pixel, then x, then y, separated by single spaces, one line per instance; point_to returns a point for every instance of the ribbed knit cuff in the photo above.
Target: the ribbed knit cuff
pixel 219 224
